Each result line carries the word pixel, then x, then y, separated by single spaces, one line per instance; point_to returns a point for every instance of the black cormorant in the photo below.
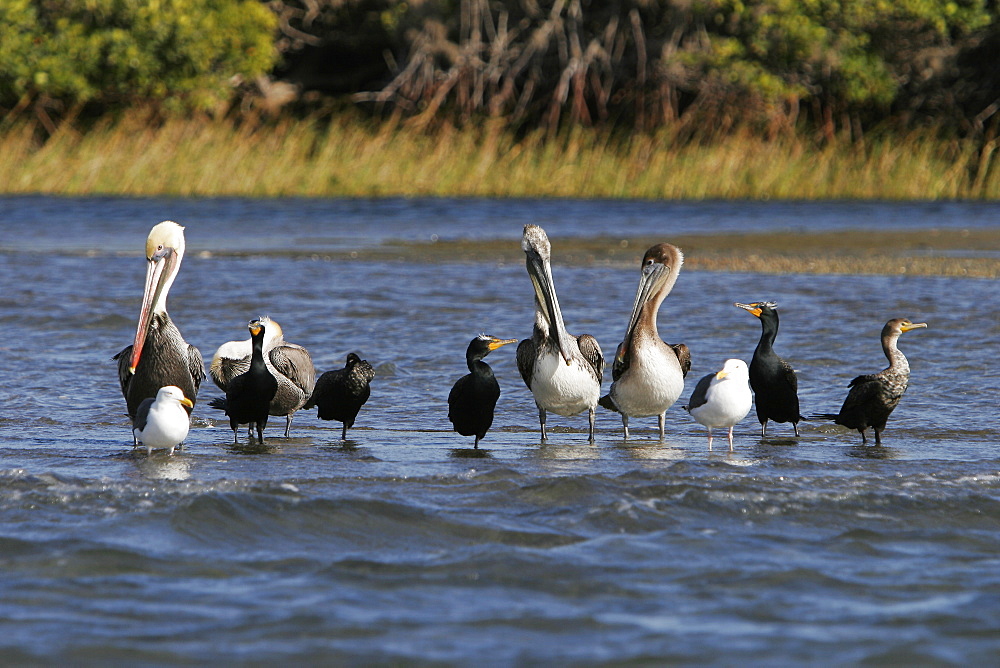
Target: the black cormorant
pixel 473 398
pixel 249 395
pixel 340 394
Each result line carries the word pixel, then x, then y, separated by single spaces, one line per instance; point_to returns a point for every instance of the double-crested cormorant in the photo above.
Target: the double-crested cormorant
pixel 341 393
pixel 289 363
pixel 159 356
pixel 873 397
pixel 474 396
pixel 649 374
pixel 772 379
pixel 563 372
pixel 162 422
pixel 722 399
pixel 249 395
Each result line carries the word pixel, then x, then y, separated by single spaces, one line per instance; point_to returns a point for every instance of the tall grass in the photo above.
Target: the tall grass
pixel 350 157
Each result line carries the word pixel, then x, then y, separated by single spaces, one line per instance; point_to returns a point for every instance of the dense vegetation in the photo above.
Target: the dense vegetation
pixel 807 74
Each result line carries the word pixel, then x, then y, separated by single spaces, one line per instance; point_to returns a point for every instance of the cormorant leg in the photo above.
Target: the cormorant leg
pixel 343 435
pixel 763 429
pixel 864 439
pixel 475 445
pixel 625 425
pixel 541 422
pixel 593 417
pixel 795 426
pixel 878 436
pixel 236 435
pixel 661 420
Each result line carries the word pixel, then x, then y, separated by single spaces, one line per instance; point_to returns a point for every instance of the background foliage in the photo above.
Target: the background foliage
pixel 695 66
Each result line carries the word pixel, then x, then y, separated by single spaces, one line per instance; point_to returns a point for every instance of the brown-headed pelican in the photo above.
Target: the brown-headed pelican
pixel 163 422
pixel 648 374
pixel 873 397
pixel 563 372
pixel 722 399
pixel 289 363
pixel 473 398
pixel 340 394
pixel 772 379
pixel 159 356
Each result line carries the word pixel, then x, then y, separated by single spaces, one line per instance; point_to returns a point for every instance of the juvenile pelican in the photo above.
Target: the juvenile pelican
pixel 340 394
pixel 162 422
pixel 873 397
pixel 473 398
pixel 722 399
pixel 159 356
pixel 289 363
pixel 563 372
pixel 249 394
pixel 772 379
pixel 649 374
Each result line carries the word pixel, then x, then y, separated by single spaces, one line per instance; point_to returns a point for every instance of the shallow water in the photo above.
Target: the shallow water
pixel 402 544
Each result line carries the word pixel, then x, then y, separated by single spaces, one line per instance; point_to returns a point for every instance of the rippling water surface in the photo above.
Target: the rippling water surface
pixel 399 544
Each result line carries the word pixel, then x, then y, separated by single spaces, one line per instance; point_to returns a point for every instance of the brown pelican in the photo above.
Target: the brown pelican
pixel 772 379
pixel 249 394
pixel 648 374
pixel 159 356
pixel 289 363
pixel 163 422
pixel 873 397
pixel 722 399
pixel 473 398
pixel 340 394
pixel 563 372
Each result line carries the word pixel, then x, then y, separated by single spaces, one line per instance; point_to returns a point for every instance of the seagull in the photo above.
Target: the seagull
pixel 722 399
pixel 162 422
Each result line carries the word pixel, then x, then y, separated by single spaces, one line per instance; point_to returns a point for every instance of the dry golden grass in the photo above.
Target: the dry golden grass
pixel 350 157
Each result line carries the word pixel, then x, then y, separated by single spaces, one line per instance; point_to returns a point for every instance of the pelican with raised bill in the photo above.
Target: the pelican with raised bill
pixel 722 399
pixel 289 363
pixel 163 422
pixel 159 355
pixel 873 397
pixel 563 372
pixel 648 374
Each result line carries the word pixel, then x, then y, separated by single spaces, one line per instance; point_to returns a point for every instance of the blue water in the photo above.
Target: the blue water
pixel 399 545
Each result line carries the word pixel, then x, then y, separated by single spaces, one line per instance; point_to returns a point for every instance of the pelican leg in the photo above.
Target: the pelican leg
pixel 625 425
pixel 593 418
pixel 288 424
pixel 541 422
pixel 661 420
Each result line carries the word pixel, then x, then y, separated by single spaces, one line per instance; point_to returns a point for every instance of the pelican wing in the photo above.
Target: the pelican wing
pixel 124 375
pixel 294 362
pixel 591 351
pixel 683 356
pixel 196 365
pixel 526 354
